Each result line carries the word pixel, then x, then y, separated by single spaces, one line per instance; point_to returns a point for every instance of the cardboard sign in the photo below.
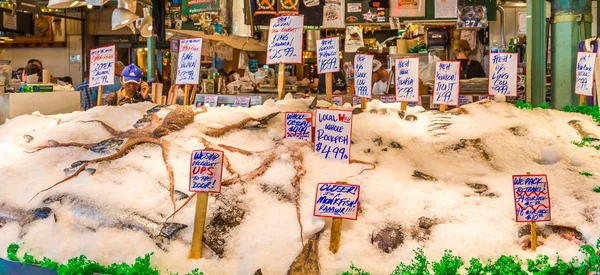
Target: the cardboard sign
pixel 337 200
pixel 211 100
pixel 356 100
pixel 387 98
pixel 188 68
pixel 407 79
pixel 419 103
pixel 206 167
pixel 532 198
pixel 363 71
pixel 433 106
pixel 242 101
pixel 446 87
pixel 328 55
pixel 584 78
pixel 285 40
pixel 298 125
pixel 333 132
pixel 102 66
pixel 503 74
pixel 338 100
pixel 465 99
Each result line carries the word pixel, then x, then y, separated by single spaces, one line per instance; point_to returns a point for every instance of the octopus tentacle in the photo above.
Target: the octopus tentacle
pixel 182 206
pixel 298 159
pixel 373 166
pixel 54 144
pixel 66 179
pixel 108 128
pixel 165 155
pixel 217 132
pixel 262 168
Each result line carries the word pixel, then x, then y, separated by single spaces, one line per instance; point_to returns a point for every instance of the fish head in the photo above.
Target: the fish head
pixel 42 212
pixel 110 145
pixel 170 229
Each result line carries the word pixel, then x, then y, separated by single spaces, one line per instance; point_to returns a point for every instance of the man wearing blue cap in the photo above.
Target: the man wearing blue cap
pixel 131 78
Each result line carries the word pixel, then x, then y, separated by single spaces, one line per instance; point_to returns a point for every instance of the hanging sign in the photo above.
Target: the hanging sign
pixel 333 132
pixel 532 198
pixel 196 6
pixel 298 125
pixel 241 101
pixel 407 79
pixel 333 14
pixel 446 87
pixel 102 66
pixel 285 40
pixel 362 75
pixel 338 100
pixel 503 74
pixel 9 20
pixel 188 68
pixel 211 100
pixel 288 6
pixel 585 74
pixel 337 200
pixel 206 167
pixel 328 55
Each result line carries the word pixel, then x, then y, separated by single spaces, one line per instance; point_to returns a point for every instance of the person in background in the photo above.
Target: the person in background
pixel 380 78
pixel 231 77
pixel 34 62
pixel 468 68
pixel 32 69
pixel 131 78
pixel 339 83
pixel 109 89
pixel 87 102
pixel 67 79
pixel 19 73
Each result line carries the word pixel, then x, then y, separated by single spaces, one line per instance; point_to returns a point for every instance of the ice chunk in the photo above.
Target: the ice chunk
pixel 499 97
pixel 269 103
pixel 347 105
pixel 374 104
pixel 288 96
pixel 578 160
pixel 550 155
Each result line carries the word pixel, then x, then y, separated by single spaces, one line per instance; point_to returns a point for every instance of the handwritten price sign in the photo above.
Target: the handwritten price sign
pixel 285 40
pixel 298 125
pixel 102 66
pixel 407 79
pixel 211 100
pixel 241 101
pixel 328 55
pixel 337 200
pixel 338 101
pixel 355 100
pixel 503 74
pixel 585 73
pixel 532 198
pixel 446 87
pixel 188 68
pixel 362 75
pixel 206 167
pixel 333 134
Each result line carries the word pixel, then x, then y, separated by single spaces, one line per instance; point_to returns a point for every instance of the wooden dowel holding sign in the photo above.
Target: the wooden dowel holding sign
pixel 193 94
pixel 336 235
pixel 533 232
pixel 99 102
pixel 329 87
pixel 403 106
pixel 186 97
pixel 281 81
pixel 199 220
pixel 442 108
pixel 582 100
pixel 363 103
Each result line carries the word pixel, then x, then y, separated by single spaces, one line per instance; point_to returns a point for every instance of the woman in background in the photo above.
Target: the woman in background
pixel 468 68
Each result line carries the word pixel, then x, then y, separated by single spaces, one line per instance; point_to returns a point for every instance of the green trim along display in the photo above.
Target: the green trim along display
pixel 196 6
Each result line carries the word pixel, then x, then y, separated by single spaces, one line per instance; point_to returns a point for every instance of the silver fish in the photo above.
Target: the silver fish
pixel 94 217
pixel 107 146
pixel 22 216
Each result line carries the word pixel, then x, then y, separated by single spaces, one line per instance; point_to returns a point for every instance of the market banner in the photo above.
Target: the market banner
pixel 102 66
pixel 196 6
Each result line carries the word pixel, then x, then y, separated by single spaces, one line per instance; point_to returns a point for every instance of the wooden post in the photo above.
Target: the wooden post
pixel 442 108
pixel 403 106
pixel 582 100
pixel 336 235
pixel 281 81
pixel 99 99
pixel 533 236
pixel 193 94
pixel 186 95
pixel 199 219
pixel 329 87
pixel 363 103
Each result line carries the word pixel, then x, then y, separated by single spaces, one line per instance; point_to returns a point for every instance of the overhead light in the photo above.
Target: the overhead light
pixel 124 14
pixel 89 6
pixel 145 24
pixel 65 4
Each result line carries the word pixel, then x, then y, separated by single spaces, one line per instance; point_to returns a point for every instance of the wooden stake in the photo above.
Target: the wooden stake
pixel 582 100
pixel 281 81
pixel 193 94
pixel 170 94
pixel 533 236
pixel 442 108
pixel 336 235
pixel 363 103
pixel 403 106
pixel 99 99
pixel 163 100
pixel 186 94
pixel 199 219
pixel 329 87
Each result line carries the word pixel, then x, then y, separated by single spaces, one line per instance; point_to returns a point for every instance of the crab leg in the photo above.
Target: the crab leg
pixel 217 132
pixel 123 151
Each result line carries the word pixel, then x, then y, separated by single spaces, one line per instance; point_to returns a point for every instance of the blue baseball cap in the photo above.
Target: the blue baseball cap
pixel 132 73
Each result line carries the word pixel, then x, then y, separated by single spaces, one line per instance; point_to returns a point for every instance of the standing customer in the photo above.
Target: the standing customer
pixel 87 101
pixel 106 90
pixel 130 93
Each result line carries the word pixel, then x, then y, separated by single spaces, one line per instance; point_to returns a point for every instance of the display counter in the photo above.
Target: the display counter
pixel 50 103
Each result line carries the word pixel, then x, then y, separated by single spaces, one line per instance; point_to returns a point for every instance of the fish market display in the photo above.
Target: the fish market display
pixel 112 183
